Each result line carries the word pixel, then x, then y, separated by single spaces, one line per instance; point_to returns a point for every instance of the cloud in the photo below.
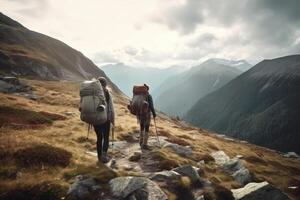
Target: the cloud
pixel 203 39
pixel 33 8
pixel 183 16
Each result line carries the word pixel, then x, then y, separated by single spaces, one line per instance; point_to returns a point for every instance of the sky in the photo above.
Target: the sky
pixel 162 33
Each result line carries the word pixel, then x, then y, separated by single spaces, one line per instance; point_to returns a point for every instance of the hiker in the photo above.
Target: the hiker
pixel 102 131
pixel 145 120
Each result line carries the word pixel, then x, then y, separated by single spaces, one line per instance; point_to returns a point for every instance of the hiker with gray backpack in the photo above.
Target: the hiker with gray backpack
pixel 96 107
pixel 142 106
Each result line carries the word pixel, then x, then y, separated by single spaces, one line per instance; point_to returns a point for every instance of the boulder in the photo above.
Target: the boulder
pixel 220 157
pixel 83 188
pixel 236 168
pixel 164 176
pixel 259 191
pixel 6 87
pixel 291 155
pixel 242 176
pixel 189 171
pixel 138 188
pixel 179 149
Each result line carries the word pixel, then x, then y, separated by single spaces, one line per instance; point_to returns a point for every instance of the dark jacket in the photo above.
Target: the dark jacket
pixel 151 106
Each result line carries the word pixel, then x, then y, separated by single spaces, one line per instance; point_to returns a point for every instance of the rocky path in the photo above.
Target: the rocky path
pixel 128 156
pixel 147 181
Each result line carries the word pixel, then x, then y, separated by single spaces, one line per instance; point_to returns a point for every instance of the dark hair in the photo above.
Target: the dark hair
pixel 146 86
pixel 102 81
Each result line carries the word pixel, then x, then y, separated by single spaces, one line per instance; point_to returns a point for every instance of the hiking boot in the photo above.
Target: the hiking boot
pixel 104 158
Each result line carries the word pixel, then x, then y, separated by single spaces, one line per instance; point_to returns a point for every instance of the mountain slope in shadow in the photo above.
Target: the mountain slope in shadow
pixel 179 93
pixel 260 106
pixel 27 53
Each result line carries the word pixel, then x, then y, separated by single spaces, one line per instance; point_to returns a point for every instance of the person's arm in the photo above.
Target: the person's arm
pixel 112 110
pixel 151 106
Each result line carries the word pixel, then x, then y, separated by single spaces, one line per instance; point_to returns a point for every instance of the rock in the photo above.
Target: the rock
pixel 138 188
pixel 84 188
pixel 239 156
pixel 242 176
pixel 236 168
pixel 201 163
pixel 6 87
pixel 200 198
pixel 291 155
pixel 189 171
pixel 233 166
pixel 179 149
pixel 220 157
pixel 164 176
pixel 259 191
pixel 70 113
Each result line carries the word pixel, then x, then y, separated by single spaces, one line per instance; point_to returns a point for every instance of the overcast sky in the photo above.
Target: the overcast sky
pixel 161 33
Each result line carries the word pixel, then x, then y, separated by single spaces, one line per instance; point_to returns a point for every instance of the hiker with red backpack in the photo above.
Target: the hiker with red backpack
pixel 142 106
pixel 96 107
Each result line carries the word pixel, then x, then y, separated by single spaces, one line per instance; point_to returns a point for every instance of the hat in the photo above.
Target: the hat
pixel 102 81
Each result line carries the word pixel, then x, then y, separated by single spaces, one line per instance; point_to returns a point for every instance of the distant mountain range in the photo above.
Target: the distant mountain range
pixel 125 76
pixel 176 95
pixel 242 65
pixel 261 106
pixel 27 53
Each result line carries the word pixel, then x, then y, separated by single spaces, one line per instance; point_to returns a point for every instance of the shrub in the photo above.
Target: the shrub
pixel 100 172
pixel 43 154
pixel 10 116
pixel 45 191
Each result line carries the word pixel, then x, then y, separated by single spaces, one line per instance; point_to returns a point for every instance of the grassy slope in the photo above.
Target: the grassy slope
pixel 61 97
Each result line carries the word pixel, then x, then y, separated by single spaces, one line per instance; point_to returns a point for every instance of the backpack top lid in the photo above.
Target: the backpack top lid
pixel 137 90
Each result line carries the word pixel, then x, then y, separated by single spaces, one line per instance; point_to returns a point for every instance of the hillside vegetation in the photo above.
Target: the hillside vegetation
pixel 42 161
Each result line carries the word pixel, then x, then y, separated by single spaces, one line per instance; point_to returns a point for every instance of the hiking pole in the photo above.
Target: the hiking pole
pixel 156 132
pixel 88 133
pixel 113 161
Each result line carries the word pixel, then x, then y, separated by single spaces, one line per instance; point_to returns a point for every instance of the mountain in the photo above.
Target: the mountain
pixel 28 53
pixel 179 93
pixel 126 76
pixel 242 65
pixel 260 106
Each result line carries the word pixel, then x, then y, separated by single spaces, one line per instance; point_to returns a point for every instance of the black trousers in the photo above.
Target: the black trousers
pixel 102 132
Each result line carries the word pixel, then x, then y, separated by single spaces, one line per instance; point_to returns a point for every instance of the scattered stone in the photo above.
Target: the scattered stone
pixel 138 188
pixel 164 176
pixel 189 171
pixel 242 176
pixel 220 157
pixel 201 163
pixel 83 188
pixel 233 166
pixel 179 149
pixel 200 198
pixel 70 113
pixel 291 155
pixel 13 85
pixel 259 191
pixel 92 153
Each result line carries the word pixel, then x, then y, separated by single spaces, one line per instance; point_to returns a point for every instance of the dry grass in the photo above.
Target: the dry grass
pixel 167 159
pixel 42 155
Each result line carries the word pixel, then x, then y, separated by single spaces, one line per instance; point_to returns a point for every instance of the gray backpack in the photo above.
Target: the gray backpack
pixel 93 106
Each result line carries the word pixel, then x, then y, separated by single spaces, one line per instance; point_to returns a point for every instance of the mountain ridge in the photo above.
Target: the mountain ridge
pixel 28 53
pixel 254 105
